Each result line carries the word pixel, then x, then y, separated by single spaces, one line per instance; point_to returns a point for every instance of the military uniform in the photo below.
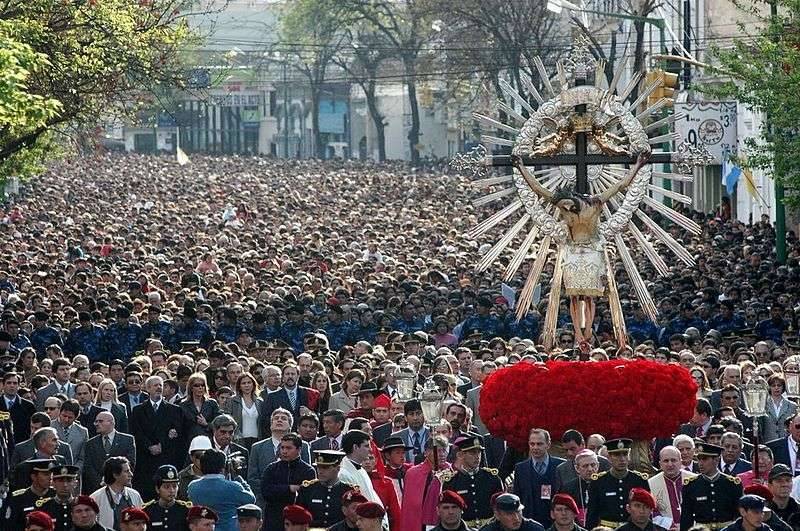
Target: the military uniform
pixel 608 494
pixel 323 501
pixel 476 488
pixel 59 510
pixel 19 504
pixel 628 526
pixel 172 518
pixel 711 502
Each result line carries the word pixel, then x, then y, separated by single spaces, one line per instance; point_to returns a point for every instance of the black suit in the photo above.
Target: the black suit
pixel 21 412
pixel 150 428
pixel 126 401
pixel 780 451
pixel 95 458
pixel 381 433
pixel 87 419
pixel 280 399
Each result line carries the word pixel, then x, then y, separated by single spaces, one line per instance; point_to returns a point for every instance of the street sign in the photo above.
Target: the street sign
pixel 712 124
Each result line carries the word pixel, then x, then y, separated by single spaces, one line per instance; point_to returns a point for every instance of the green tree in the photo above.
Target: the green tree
pixel 68 65
pixel 761 69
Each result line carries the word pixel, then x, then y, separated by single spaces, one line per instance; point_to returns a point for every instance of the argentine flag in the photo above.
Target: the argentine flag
pixel 730 175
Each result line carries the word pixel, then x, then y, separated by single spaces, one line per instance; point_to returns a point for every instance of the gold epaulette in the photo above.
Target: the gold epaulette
pixel 686 481
pixel 18 492
pixel 642 475
pixel 4 416
pixel 492 471
pixel 599 475
pixel 185 503
pixel 307 483
pixel 41 502
pixel 734 479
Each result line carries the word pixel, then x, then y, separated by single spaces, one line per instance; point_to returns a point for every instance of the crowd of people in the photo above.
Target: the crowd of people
pixel 217 345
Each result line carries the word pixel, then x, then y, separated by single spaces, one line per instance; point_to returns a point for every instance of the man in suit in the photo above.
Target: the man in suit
pixel 785 449
pixel 156 426
pixel 456 415
pixel 265 452
pixel 667 485
pixel 222 430
pixel 475 375
pixel 45 441
pixel 732 462
pixel 133 395
pixel 59 385
pixel 415 435
pixel 332 426
pixel 573 443
pixel 290 397
pixel 20 409
pixel 71 432
pixel 473 401
pixel 107 443
pixel 88 412
pixel 26 449
pixel 535 479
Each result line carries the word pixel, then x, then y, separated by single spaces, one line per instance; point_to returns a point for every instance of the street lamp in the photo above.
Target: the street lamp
pixel 754 395
pixel 406 381
pixel 431 400
pixel 792 377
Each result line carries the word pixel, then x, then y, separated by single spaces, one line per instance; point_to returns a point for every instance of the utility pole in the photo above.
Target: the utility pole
pixel 687 42
pixel 780 210
pixel 285 112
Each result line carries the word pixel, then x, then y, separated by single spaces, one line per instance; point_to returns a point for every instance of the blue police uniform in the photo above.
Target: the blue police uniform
pixel 86 340
pixel 364 333
pixel 161 329
pixel 641 331
pixel 41 338
pixel 339 335
pixel 22 342
pixel 726 326
pixel 293 334
pixel 229 333
pixel 489 325
pixel 526 328
pixel 268 333
pixel 408 327
pixel 196 331
pixel 769 329
pixel 123 341
pixel 679 325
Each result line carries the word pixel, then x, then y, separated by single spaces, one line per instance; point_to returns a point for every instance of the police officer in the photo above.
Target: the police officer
pixel 133 519
pixel 450 510
pixel 23 501
pixel 166 512
pixel 508 516
pixel 474 484
pixel 323 496
pixel 608 491
pixel 641 505
pixel 711 497
pixel 751 514
pixel 59 507
pixel 249 517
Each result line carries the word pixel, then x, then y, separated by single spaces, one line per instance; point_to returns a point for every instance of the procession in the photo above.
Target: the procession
pixel 581 319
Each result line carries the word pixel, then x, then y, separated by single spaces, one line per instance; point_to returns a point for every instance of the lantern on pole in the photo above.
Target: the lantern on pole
pixel 755 394
pixel 406 378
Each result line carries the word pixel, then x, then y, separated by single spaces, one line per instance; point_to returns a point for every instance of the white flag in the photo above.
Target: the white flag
pixel 510 295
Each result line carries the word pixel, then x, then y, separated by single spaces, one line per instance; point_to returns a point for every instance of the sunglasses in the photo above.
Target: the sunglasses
pixel 199 385
pixel 50 408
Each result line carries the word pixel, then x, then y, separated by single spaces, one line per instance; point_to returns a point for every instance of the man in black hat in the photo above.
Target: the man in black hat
pixel 783 504
pixel 609 490
pixel 23 501
pixel 339 332
pixel 711 497
pixel 394 457
pixel 487 324
pixel 166 512
pixel 59 506
pixel 508 516
pixel 190 328
pixel 249 517
pixel 43 335
pixel 229 329
pixel 366 399
pixel 473 483
pixel 323 496
pixel 296 327
pixel 751 514
pixel 156 327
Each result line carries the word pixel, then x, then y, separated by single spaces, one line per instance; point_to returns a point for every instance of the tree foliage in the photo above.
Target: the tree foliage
pixel 761 69
pixel 67 65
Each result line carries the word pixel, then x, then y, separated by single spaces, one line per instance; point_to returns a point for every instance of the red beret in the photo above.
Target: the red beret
pixel 134 514
pixel 40 518
pixel 353 496
pixel 200 511
pixel 297 515
pixel 450 496
pixel 370 510
pixel 642 496
pixel 88 501
pixel 759 490
pixel 567 501
pixel 382 400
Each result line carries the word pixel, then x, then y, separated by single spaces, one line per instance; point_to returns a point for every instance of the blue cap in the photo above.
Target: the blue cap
pixel 751 502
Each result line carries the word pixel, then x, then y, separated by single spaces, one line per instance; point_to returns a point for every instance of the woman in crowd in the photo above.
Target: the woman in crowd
pixel 198 409
pixel 244 407
pixel 346 398
pixel 779 409
pixel 106 399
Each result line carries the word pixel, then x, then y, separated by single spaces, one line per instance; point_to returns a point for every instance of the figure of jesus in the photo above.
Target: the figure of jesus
pixel 584 267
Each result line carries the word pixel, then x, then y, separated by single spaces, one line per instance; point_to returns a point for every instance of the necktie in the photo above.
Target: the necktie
pixel 292 399
pixel 155 407
pixel 63 389
pixel 797 459
pixel 538 466
pixel 334 444
pixel 106 444
pixel 699 431
pixel 66 435
pixel 415 442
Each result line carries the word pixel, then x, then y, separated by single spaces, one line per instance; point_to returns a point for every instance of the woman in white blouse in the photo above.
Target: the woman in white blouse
pixel 779 409
pixel 345 399
pixel 244 407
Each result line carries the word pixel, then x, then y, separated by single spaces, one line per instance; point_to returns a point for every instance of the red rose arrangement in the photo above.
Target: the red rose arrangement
pixel 616 398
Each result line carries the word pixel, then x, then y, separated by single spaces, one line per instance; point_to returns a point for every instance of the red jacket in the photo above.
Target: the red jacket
pixel 385 490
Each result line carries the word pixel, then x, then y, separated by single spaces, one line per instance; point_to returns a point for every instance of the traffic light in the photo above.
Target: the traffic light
pixel 669 85
pixel 652 77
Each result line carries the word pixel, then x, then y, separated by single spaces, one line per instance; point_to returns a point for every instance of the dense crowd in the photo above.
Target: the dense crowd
pixel 219 344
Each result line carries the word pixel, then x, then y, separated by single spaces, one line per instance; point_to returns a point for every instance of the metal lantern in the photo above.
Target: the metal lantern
pixel 755 394
pixel 431 400
pixel 406 378
pixel 792 377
